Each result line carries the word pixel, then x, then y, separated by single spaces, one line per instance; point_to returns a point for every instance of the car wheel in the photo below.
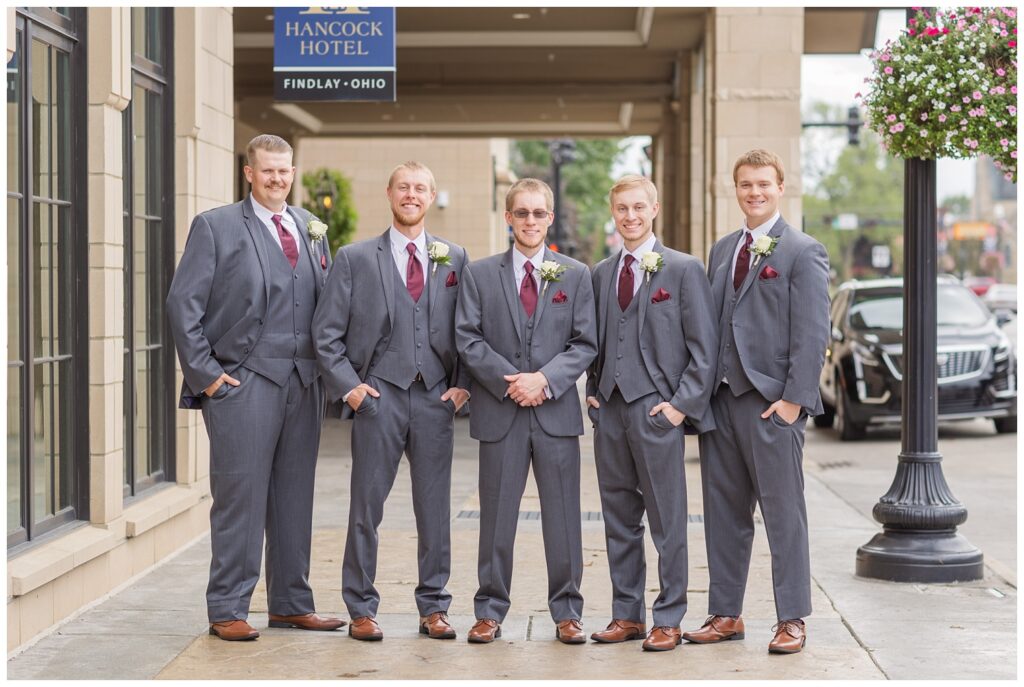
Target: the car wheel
pixel 827 417
pixel 848 430
pixel 1006 425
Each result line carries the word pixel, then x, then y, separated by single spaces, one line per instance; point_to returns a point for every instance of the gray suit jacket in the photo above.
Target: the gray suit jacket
pixel 353 320
pixel 491 333
pixel 218 298
pixel 781 324
pixel 678 334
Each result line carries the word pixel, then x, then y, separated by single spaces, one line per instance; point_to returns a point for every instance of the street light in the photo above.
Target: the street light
pixel 325 192
pixel 919 514
pixel 563 151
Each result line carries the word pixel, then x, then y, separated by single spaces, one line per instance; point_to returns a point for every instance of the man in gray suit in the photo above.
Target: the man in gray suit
pixel 525 329
pixel 385 341
pixel 240 308
pixel 770 285
pixel 654 371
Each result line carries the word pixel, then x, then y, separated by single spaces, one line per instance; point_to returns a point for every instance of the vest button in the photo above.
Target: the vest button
pixel 259 322
pixel 517 355
pixel 529 325
pixel 619 356
pixel 245 350
pixel 419 345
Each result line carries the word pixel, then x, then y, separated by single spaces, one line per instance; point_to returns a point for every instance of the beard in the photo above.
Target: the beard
pixel 408 220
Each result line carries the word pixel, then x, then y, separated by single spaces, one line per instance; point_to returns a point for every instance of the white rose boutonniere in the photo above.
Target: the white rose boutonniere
pixel 316 229
pixel 551 271
pixel 438 253
pixel 651 262
pixel 762 247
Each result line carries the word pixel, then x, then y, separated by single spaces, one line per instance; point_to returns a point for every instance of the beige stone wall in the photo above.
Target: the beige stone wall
pixel 51 580
pixel 465 170
pixel 754 102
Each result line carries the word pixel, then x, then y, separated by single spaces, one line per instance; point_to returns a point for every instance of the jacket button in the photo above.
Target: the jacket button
pixel 245 350
pixel 517 355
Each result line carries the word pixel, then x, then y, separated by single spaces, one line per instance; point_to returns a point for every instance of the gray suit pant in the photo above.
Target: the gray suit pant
pixel 749 461
pixel 640 467
pixel 263 446
pixel 504 467
pixel 414 421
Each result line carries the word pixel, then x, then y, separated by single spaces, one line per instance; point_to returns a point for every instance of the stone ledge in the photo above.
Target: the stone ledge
pixel 159 508
pixel 46 563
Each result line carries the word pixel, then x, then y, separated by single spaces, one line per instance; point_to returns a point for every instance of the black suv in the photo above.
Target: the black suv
pixel 860 382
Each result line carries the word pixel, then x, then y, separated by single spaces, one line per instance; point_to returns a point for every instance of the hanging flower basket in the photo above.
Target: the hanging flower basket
pixel 947 87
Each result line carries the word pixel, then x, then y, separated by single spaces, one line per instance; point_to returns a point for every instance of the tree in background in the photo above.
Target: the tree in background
pixel 585 187
pixel 329 197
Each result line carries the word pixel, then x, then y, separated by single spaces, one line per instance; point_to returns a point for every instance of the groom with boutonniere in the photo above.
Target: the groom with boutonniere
pixel 657 343
pixel 770 285
pixel 385 341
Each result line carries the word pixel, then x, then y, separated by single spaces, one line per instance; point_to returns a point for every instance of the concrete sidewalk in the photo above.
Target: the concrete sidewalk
pixel 156 626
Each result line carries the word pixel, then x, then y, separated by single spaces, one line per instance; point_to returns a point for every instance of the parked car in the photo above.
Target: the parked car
pixel 861 380
pixel 1001 298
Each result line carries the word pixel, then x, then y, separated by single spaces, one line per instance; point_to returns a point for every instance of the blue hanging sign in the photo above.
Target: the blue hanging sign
pixel 334 53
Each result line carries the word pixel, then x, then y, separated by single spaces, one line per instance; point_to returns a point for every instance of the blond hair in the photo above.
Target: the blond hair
pixel 759 158
pixel 413 166
pixel 267 142
pixel 528 185
pixel 634 181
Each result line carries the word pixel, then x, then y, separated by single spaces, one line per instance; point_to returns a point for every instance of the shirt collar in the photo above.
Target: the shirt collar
pixel 265 213
pixel 646 247
pixel 519 260
pixel 762 229
pixel 399 241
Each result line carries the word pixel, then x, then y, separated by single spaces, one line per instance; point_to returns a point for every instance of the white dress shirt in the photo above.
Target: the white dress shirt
pixel 266 215
pixel 757 232
pixel 519 268
pixel 399 241
pixel 646 247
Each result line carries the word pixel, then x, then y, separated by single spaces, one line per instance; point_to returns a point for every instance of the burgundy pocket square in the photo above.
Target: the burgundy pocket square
pixel 452 280
pixel 660 295
pixel 323 262
pixel 768 273
pixel 560 297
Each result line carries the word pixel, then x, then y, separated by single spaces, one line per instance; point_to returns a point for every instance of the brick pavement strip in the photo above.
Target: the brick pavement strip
pixel 861 629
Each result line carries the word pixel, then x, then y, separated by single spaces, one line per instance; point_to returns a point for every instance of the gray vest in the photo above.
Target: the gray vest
pixel 409 352
pixel 623 367
pixel 285 341
pixel 730 367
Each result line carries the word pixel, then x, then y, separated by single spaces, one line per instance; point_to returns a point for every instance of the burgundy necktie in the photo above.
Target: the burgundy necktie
pixel 291 251
pixel 742 262
pixel 414 274
pixel 528 290
pixel 626 283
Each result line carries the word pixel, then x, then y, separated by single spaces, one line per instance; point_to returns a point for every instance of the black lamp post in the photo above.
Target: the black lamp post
pixel 919 514
pixel 563 151
pixel 325 193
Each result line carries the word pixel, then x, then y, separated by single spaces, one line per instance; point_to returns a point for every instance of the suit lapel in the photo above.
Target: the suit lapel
pixel 610 294
pixel 386 264
pixel 644 293
pixel 542 291
pixel 253 225
pixel 310 253
pixel 432 274
pixel 508 284
pixel 775 232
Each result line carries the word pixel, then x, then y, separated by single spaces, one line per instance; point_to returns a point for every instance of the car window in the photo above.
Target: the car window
pixel 883 309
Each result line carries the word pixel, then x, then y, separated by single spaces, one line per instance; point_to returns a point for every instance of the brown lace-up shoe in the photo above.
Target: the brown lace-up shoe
pixel 620 631
pixel 233 630
pixel 570 632
pixel 366 629
pixel 717 628
pixel 309 621
pixel 790 637
pixel 663 639
pixel 436 626
pixel 484 631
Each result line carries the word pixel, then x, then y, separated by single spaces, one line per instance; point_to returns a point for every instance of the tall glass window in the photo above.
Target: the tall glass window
pixel 47 418
pixel 148 259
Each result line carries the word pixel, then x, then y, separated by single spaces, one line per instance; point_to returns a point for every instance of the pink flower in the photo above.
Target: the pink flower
pixel 1013 89
pixel 911 32
pixel 1014 155
pixel 1012 109
pixel 966 100
pixel 1004 141
pixel 1001 72
pixel 888 70
pixel 891 118
pixel 954 108
pixel 885 57
pixel 1008 176
pixel 1012 44
pixel 976 95
pixel 942 117
pixel 924 116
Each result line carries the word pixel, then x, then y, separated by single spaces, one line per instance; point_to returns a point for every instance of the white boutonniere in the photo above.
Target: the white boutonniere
pixel 762 247
pixel 650 263
pixel 551 271
pixel 316 229
pixel 438 253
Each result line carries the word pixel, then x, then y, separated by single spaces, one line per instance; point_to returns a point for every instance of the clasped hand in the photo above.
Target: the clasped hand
pixel 527 388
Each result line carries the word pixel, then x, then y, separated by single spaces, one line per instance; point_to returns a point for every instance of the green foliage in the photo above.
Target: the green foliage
pixel 585 183
pixel 341 217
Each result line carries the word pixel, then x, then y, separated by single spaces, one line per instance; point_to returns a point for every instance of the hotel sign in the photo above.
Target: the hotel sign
pixel 334 53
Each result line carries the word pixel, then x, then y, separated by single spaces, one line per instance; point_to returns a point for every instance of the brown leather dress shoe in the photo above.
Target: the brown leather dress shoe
pixel 717 628
pixel 309 621
pixel 790 637
pixel 366 629
pixel 233 630
pixel 663 639
pixel 484 631
pixel 620 631
pixel 570 632
pixel 436 626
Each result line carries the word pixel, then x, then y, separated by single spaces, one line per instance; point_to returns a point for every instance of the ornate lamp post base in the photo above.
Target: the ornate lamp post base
pixel 920 556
